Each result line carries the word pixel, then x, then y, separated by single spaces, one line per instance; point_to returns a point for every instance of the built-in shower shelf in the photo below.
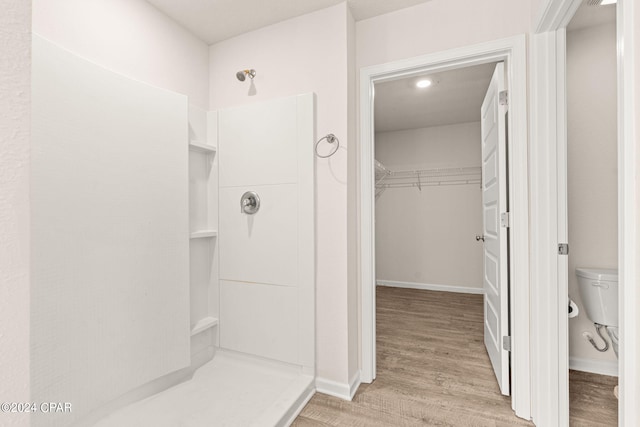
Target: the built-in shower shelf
pixel 203 233
pixel 202 148
pixel 204 324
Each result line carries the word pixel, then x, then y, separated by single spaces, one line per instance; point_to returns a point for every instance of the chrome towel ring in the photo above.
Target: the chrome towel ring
pixel 331 139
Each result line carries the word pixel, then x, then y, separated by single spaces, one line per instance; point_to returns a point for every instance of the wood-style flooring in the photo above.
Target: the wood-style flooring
pixel 591 400
pixel 432 370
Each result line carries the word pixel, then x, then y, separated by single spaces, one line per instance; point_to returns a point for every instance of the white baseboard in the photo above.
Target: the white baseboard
pixel 431 287
pixel 340 390
pixel 354 384
pixel 297 406
pixel 602 367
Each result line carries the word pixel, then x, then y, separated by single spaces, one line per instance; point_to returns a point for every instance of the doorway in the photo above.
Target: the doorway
pixel 512 53
pixel 592 215
pixel 438 135
pixel 549 270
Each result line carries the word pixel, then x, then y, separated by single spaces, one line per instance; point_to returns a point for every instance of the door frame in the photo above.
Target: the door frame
pixel 549 363
pixel 513 52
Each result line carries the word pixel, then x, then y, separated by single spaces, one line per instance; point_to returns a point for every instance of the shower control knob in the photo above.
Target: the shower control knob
pixel 249 203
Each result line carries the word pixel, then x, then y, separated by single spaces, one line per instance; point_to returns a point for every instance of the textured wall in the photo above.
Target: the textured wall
pixel 15 67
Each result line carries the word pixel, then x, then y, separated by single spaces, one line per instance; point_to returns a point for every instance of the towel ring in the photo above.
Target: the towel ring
pixel 331 139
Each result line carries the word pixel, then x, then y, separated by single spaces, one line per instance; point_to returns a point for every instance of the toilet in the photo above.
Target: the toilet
pixel 599 290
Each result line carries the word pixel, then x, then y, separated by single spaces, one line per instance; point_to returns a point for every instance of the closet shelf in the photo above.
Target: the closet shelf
pixel 202 148
pixel 203 233
pixel 381 169
pixel 386 178
pixel 429 184
pixel 204 324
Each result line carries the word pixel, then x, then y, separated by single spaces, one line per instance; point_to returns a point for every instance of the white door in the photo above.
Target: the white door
pixel 494 204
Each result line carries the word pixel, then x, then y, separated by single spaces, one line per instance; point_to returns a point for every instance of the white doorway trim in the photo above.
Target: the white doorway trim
pixel 513 52
pixel 549 362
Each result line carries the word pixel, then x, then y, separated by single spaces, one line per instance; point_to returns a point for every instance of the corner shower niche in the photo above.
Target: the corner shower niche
pixel 203 228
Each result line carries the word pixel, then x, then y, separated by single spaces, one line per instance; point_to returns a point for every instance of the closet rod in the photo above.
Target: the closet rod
pixel 439 172
pixel 428 183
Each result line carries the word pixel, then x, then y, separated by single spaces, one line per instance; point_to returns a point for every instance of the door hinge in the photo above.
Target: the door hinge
pixel 563 249
pixel 506 343
pixel 505 219
pixel 503 96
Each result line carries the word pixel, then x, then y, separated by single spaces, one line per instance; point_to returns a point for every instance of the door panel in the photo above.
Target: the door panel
pixel 494 201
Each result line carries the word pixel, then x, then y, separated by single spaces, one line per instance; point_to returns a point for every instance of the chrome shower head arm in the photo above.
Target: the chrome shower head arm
pixel 242 75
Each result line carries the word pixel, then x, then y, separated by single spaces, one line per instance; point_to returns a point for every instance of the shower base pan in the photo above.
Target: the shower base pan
pixel 230 390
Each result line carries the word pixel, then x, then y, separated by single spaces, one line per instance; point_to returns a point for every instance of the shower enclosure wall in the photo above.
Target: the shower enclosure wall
pixel 137 282
pixel 267 260
pixel 109 220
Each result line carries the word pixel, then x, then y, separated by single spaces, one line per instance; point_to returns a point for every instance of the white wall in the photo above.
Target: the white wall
pixel 592 167
pixel 130 37
pixel 15 104
pixel 428 236
pixel 537 7
pixel 438 25
pixel 305 54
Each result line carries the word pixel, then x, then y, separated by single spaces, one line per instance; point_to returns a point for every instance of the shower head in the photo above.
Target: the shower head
pixel 242 75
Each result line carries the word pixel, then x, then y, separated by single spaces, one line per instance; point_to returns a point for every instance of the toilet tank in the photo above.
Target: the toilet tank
pixel 599 291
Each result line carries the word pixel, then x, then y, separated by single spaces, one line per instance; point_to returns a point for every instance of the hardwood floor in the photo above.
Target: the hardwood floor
pixel 433 370
pixel 591 400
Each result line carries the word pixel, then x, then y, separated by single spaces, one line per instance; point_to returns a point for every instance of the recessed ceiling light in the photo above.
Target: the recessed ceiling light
pixel 606 2
pixel 423 83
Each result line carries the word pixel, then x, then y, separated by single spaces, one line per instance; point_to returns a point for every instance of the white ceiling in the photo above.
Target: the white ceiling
pixel 589 16
pixel 216 20
pixel 455 97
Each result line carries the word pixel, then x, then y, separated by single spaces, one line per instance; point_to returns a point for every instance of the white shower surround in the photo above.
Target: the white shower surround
pixel 263 373
pixel 267 259
pixel 110 306
pixel 301 55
